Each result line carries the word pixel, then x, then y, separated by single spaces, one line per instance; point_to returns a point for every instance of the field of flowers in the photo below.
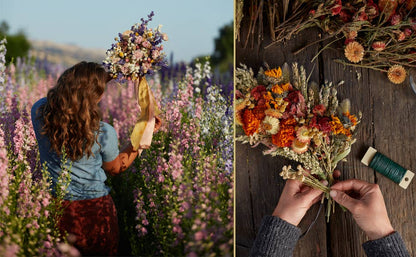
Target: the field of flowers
pixel 175 200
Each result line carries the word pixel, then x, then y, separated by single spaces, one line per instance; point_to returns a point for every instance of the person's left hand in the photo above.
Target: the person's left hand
pixel 297 198
pixel 295 201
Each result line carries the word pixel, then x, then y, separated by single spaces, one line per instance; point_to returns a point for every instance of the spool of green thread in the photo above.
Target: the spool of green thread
pixel 387 167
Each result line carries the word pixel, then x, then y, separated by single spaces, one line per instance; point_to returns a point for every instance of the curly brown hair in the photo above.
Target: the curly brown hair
pixel 71 115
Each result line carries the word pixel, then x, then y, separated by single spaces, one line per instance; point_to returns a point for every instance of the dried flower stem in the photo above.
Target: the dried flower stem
pixel 315 183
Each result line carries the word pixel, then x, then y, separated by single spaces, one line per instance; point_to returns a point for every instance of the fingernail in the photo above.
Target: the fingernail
pixel 333 193
pixel 325 182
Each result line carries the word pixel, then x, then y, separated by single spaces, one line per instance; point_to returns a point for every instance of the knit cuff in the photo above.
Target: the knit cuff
pixel 276 237
pixel 391 245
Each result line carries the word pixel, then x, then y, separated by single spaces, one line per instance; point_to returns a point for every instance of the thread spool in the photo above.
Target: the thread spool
pixel 387 167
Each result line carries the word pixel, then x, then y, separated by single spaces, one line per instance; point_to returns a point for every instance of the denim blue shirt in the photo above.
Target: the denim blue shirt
pixel 87 176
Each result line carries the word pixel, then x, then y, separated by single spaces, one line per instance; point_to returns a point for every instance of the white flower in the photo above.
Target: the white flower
pixel 270 125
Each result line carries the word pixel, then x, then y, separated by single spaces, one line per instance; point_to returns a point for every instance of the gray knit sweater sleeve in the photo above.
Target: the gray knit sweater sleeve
pixel 276 237
pixel 391 245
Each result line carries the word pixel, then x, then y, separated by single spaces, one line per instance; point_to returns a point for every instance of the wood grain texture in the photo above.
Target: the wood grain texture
pixel 388 124
pixel 395 127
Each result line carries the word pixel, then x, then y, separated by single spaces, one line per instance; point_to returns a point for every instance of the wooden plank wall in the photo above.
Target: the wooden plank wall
pixel 389 125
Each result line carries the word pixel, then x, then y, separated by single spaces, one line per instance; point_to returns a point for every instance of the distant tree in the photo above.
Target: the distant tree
pixel 17 44
pixel 224 48
pixel 4 28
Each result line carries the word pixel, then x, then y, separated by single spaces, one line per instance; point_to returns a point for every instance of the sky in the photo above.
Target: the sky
pixel 191 25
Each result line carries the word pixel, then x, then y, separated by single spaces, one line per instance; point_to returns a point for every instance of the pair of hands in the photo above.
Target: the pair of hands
pixel 364 201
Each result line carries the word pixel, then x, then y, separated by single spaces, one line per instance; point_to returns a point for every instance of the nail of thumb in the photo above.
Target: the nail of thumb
pixel 342 198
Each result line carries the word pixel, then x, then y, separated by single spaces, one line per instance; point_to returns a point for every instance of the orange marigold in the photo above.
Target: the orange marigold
pixel 275 73
pixel 286 87
pixel 337 127
pixel 250 123
pixel 269 99
pixel 351 117
pixel 277 89
pixel 286 134
pixel 258 112
pixel 280 89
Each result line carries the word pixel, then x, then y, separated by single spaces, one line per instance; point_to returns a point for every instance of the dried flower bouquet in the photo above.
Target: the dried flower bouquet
pixel 299 121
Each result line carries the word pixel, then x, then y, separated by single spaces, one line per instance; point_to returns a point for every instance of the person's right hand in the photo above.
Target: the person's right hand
pixel 366 203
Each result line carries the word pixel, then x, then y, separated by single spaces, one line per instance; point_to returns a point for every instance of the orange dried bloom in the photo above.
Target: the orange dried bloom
pixel 274 113
pixel 286 134
pixel 250 123
pixel 351 117
pixel 401 36
pixel 352 34
pixel 280 89
pixel 354 52
pixel 286 87
pixel 269 99
pixel 337 127
pixel 274 73
pixel 396 74
pixel 258 112
pixel 277 89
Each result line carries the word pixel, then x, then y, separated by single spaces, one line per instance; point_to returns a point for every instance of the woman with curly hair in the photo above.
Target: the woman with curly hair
pixel 69 119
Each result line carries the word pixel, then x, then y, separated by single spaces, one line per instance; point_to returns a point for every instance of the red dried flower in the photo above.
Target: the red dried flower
pixel 336 9
pixel 258 92
pixel 379 46
pixel 319 109
pixel 323 125
pixel 371 10
pixel 408 32
pixel 362 16
pixel 296 104
pixel 348 40
pixel 395 19
pixel 345 16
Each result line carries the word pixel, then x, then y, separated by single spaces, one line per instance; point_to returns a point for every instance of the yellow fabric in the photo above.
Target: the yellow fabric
pixel 141 136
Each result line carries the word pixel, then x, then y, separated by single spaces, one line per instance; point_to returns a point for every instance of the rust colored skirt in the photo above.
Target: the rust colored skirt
pixel 94 224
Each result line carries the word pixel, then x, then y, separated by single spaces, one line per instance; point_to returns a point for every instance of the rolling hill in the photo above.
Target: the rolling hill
pixel 65 54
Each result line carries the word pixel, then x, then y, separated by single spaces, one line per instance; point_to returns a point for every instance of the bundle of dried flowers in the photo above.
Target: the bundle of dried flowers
pixel 301 122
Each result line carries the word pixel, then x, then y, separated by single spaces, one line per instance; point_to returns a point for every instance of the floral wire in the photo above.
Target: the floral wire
pixel 314 221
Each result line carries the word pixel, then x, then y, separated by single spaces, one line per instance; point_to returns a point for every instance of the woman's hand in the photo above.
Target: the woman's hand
pixel 295 201
pixel 366 203
pixel 122 161
pixel 158 124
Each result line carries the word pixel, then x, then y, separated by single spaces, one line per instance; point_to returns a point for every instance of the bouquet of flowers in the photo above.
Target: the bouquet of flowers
pixel 301 122
pixel 139 52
